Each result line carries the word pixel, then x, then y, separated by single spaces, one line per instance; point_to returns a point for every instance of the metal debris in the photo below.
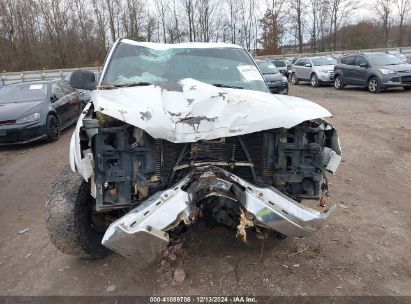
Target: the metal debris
pixel 24 231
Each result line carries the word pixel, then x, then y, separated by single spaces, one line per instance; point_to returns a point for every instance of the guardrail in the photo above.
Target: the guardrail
pixel 404 50
pixel 17 77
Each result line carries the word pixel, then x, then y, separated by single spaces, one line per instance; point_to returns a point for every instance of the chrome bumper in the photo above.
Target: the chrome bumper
pixel 142 233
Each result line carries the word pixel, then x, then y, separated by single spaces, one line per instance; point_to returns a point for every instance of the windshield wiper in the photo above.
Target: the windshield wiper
pixel 126 85
pixel 220 85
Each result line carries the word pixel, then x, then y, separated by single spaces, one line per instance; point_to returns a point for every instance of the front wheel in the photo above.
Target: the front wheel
pixel 338 83
pixel 374 85
pixel 407 88
pixel 314 81
pixel 52 128
pixel 294 79
pixel 69 218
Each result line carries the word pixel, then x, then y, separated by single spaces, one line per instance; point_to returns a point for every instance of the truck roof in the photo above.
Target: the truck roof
pixel 192 45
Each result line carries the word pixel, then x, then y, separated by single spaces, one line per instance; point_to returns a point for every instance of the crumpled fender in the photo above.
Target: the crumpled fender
pixel 75 150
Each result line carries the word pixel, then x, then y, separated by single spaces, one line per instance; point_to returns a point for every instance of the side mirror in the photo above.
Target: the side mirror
pixel 53 99
pixel 363 65
pixel 83 80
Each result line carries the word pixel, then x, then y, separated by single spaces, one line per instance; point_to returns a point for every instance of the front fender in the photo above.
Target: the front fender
pixel 75 149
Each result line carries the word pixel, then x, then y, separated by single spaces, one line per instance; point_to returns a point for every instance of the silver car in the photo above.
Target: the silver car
pixel 316 70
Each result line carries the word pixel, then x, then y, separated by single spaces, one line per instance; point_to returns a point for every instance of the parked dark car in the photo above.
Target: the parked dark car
pixel 374 71
pixel 33 111
pixel 276 82
pixel 283 65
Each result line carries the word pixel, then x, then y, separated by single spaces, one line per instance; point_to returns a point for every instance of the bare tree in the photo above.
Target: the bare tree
pixel 296 7
pixel 384 10
pixel 190 8
pixel 162 7
pixel 339 13
pixel 317 18
pixel 403 7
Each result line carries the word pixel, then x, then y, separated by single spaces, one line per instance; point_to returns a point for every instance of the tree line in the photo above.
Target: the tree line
pixel 46 34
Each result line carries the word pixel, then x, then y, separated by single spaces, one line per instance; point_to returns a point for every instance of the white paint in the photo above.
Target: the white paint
pixel 202 111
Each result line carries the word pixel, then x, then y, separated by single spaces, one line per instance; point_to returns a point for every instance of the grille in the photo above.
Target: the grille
pixel 7 122
pixel 20 135
pixel 406 79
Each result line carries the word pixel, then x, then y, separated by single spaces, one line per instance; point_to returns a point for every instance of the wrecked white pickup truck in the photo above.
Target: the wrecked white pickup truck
pixel 180 134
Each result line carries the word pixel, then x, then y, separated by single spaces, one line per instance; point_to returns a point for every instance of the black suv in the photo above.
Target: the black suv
pixel 375 71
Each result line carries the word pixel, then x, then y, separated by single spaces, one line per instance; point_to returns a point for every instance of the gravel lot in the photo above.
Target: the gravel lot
pixel 364 249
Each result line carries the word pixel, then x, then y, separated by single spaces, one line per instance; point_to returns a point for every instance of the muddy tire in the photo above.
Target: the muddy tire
pixel 338 83
pixel 294 79
pixel 315 82
pixel 68 217
pixel 374 85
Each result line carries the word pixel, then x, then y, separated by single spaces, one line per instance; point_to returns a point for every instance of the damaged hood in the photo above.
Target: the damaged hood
pixel 188 110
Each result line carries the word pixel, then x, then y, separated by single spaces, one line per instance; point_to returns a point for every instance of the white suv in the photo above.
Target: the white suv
pixel 316 70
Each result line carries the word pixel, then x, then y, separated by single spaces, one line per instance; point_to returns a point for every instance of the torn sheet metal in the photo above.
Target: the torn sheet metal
pixel 189 110
pixel 142 233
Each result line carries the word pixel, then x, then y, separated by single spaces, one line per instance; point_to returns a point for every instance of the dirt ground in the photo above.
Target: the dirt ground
pixel 363 250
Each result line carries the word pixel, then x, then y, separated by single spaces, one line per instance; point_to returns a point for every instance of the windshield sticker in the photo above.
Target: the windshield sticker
pixel 36 87
pixel 249 72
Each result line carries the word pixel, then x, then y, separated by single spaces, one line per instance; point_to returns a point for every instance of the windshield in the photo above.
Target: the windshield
pixel 267 68
pixel 400 56
pixel 324 61
pixel 383 59
pixel 23 93
pixel 225 67
pixel 279 63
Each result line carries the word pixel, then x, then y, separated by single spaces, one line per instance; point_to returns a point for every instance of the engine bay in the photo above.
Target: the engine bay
pixel 130 165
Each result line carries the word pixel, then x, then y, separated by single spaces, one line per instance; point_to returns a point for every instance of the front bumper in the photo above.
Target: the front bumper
pixel 326 77
pixel 278 87
pixel 396 80
pixel 21 134
pixel 143 233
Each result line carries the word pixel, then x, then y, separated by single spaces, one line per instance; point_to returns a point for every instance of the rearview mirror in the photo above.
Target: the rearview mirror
pixel 83 80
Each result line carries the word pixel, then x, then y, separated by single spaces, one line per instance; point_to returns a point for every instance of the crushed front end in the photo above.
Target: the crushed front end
pixel 260 181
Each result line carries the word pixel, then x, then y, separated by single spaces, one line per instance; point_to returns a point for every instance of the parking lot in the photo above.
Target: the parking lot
pixel 363 250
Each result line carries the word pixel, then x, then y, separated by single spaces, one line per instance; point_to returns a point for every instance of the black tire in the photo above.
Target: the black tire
pixel 407 88
pixel 52 128
pixel 294 79
pixel 338 83
pixel 374 85
pixel 68 217
pixel 314 81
